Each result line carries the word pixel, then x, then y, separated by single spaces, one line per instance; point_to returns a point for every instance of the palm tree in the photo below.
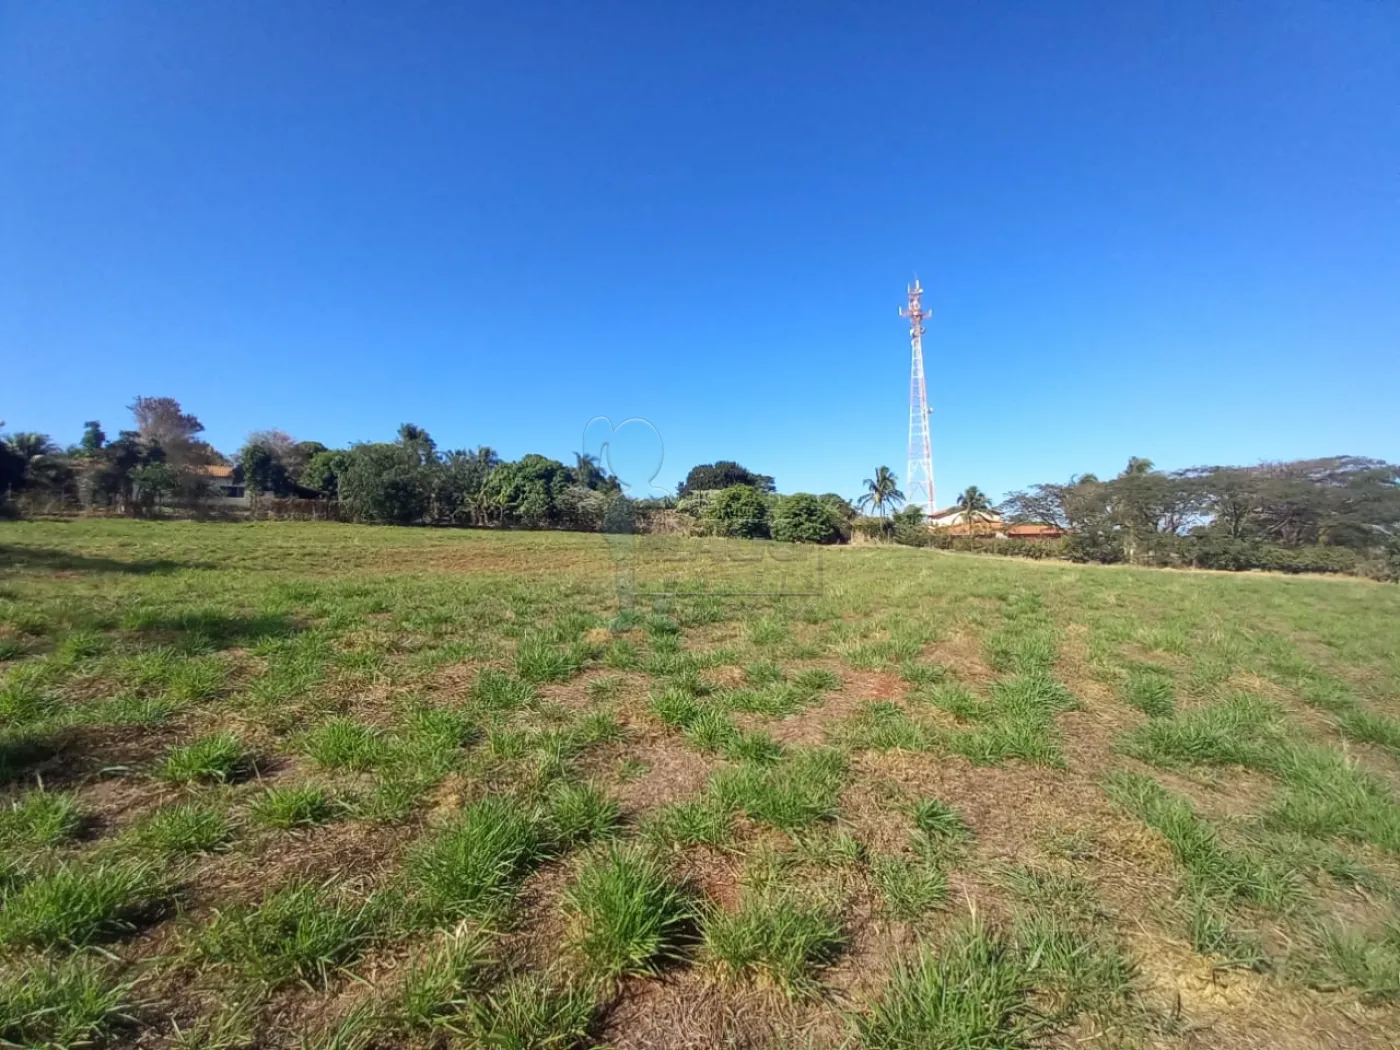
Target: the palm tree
pixel 975 507
pixel 586 470
pixel 31 445
pixel 881 491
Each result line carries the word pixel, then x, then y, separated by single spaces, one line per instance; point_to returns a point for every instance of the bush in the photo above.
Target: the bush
pixel 1100 545
pixel 738 511
pixel 803 518
pixel 1308 559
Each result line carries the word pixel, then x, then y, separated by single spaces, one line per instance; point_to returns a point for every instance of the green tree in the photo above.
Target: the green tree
pixel 323 470
pixel 263 470
pixel 93 438
pixel 527 491
pixel 804 518
pixel 712 477
pixel 415 438
pixel 385 483
pixel 882 492
pixel 740 510
pixel 154 483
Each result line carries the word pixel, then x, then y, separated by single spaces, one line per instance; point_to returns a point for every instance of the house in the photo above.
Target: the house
pixel 226 484
pixel 954 521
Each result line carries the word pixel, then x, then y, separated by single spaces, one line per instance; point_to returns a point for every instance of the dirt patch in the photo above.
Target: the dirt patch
pixel 961 654
pixel 674 772
pixel 1242 1010
pixel 688 1010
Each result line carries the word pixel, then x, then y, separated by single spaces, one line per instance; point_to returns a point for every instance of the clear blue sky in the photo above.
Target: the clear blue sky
pixel 1167 228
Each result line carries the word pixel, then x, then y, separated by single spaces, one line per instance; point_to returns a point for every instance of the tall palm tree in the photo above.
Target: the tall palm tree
pixel 882 492
pixel 975 506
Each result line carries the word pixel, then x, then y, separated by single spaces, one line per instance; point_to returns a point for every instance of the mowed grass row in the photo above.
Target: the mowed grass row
pixel 317 785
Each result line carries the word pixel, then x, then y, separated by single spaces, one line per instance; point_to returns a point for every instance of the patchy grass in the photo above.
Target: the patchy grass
pixel 52 1002
pixel 792 794
pixel 971 992
pixel 300 932
pixel 38 820
pixel 1032 801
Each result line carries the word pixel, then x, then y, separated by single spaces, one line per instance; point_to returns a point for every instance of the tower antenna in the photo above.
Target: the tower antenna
pixel 918 478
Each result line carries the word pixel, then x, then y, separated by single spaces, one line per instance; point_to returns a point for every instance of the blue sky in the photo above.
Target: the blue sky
pixel 1168 228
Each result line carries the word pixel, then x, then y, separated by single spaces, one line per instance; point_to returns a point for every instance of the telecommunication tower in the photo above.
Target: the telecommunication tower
pixel 918 478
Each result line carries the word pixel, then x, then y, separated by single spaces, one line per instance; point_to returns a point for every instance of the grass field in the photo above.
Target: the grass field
pixel 293 785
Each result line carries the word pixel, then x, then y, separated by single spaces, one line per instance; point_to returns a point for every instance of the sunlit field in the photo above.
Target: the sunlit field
pixel 300 785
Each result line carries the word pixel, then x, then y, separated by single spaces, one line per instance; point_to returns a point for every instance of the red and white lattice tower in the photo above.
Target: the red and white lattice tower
pixel 918 478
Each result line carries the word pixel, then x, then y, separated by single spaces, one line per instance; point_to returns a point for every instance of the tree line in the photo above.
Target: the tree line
pixel 1335 514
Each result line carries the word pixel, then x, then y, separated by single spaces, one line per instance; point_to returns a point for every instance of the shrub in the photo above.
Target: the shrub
pixel 738 511
pixel 803 518
pixel 384 483
pixel 1095 544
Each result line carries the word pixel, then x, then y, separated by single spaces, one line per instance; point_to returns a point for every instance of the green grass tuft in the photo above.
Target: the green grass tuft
pixel 442 985
pixel 211 759
pixel 776 938
pixel 1373 728
pixel 299 805
pixel 39 820
pixel 1240 731
pixel 1150 691
pixel 699 822
pixel 532 1012
pixel 580 813
pixel 940 823
pixel 299 932
pixel 471 868
pixel 497 691
pixel 343 743
pixel 538 661
pixel 792 794
pixel 627 914
pixel 57 1003
pixel 909 886
pixel 971 994
pixel 74 905
pixel 1212 869
pixel 186 827
pixel 1018 722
